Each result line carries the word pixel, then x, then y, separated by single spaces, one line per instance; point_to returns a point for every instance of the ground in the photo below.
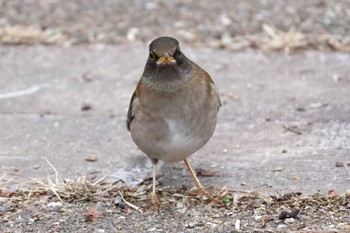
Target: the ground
pixel 281 143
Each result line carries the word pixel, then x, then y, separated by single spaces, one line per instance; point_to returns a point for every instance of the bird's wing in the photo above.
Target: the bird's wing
pixel 130 111
pixel 212 88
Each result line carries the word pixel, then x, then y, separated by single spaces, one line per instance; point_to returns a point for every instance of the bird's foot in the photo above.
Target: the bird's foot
pixel 210 197
pixel 154 199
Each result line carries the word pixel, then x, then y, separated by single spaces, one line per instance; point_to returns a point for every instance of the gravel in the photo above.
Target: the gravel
pixel 213 23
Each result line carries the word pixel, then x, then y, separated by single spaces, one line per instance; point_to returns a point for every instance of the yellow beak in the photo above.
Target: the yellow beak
pixel 166 59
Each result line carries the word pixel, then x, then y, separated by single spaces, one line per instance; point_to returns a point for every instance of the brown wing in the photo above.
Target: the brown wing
pixel 130 112
pixel 211 87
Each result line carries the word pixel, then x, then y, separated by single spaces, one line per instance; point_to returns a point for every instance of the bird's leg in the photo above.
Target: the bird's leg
pixel 154 197
pixel 199 186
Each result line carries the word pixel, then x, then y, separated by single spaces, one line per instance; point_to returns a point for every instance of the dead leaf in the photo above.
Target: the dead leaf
pixel 332 192
pixel 37 214
pixel 265 220
pixel 204 173
pixel 92 214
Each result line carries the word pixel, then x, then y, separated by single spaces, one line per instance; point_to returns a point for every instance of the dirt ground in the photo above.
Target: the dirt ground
pixel 280 156
pixel 259 24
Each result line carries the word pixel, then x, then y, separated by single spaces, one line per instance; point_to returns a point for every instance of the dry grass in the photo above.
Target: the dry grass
pixel 21 35
pixel 82 189
pixel 32 199
pixel 271 40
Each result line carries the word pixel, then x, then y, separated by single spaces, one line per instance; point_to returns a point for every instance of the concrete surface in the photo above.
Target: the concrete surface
pixel 42 90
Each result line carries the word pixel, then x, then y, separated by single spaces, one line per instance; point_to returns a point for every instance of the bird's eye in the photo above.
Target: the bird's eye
pixel 152 56
pixel 177 53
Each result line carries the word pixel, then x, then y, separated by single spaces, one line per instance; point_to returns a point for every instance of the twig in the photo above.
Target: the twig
pixel 101 179
pixel 52 188
pixel 53 168
pixel 292 129
pixel 51 184
pixel 129 204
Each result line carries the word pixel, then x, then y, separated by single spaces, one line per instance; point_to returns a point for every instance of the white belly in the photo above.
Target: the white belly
pixel 181 143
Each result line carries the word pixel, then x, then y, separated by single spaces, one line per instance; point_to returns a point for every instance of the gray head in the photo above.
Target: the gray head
pixel 166 66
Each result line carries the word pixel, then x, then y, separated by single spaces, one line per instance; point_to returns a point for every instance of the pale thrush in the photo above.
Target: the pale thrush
pixel 173 110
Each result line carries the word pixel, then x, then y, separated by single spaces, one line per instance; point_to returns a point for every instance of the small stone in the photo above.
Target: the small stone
pixel 318 105
pixel 217 221
pixel 86 107
pixel 284 151
pixel 180 204
pixel 91 158
pixel 30 221
pixel 237 224
pixel 339 164
pixel 282 226
pixel 132 33
pixel 267 118
pixel 336 78
pixel 55 204
pixel 191 225
pixel 277 169
pixel 233 96
pixel 289 220
pixel 257 216
pixel 118 202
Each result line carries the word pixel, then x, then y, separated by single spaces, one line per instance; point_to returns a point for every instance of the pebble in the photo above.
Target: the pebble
pixel 191 225
pixel 118 201
pixel 282 226
pixel 277 169
pixel 54 204
pixel 237 224
pixel 339 164
pixel 218 221
pixel 256 216
pixel 132 34
pixel 91 158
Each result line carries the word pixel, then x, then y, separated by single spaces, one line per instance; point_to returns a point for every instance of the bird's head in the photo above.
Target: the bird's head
pixel 167 68
pixel 165 51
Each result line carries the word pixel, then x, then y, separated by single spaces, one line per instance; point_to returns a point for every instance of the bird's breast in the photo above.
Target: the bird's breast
pixel 171 127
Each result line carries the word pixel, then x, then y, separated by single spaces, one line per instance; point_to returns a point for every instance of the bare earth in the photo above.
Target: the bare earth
pixel 281 143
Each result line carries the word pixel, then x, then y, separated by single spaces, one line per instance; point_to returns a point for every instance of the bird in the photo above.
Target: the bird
pixel 173 111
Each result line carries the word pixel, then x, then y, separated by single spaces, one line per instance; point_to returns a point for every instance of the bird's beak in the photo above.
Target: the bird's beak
pixel 166 59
